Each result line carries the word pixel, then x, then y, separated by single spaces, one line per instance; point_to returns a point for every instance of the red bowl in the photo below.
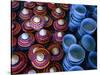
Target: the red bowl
pixel 41 58
pixel 58 36
pixel 26 42
pixel 17 68
pixel 52 6
pixel 13 15
pixel 43 39
pixel 30 52
pixel 60 25
pixel 25 14
pixel 37 22
pixel 26 27
pixel 59 15
pixel 48 21
pixel 54 67
pixel 40 10
pixel 16 28
pixel 29 5
pixel 56 52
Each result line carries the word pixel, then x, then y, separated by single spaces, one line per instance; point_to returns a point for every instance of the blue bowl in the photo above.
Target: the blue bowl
pixel 72 27
pixel 71 8
pixel 75 18
pixel 88 42
pixel 88 26
pixel 77 14
pixel 76 22
pixel 68 40
pixel 95 13
pixel 75 68
pixel 92 59
pixel 76 54
pixel 79 11
pixel 66 64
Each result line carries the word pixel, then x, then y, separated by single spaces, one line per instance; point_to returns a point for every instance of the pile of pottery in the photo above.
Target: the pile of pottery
pixel 52 37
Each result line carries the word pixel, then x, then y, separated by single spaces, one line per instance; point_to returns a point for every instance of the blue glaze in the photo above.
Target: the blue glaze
pixel 68 40
pixel 88 26
pixel 75 68
pixel 65 64
pixel 95 13
pixel 88 42
pixel 72 27
pixel 92 59
pixel 76 54
pixel 77 13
